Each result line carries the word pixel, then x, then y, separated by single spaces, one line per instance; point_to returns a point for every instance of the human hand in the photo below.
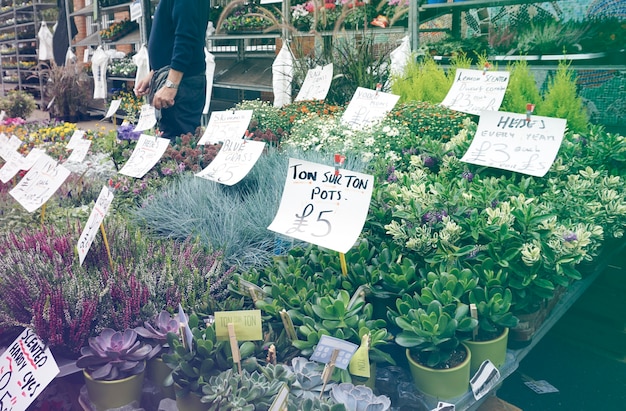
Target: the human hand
pixel 164 98
pixel 142 87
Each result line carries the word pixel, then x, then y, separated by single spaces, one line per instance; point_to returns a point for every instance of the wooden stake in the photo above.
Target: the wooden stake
pixel 43 212
pixel 106 245
pixel 328 370
pixel 234 346
pixel 344 265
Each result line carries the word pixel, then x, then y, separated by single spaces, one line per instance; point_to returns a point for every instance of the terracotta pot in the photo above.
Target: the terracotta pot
pixel 442 384
pixel 492 350
pixel 114 394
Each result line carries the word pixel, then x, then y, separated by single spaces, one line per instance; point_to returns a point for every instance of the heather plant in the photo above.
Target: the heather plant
pixel 233 220
pixel 44 287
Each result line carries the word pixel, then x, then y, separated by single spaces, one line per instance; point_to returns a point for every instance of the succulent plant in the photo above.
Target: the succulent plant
pixel 193 366
pixel 164 323
pixel 308 375
pixel 359 398
pixel 245 391
pixel 114 355
pixel 313 404
pixel 494 310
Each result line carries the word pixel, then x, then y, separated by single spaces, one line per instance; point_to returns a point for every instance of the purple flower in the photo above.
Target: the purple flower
pixel 468 175
pixel 126 132
pixel 181 167
pixel 430 162
pixel 167 171
pixel 391 175
pixel 570 236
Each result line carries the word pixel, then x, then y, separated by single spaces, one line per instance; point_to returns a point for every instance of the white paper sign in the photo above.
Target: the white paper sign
pixel 147 153
pixel 325 347
pixel 4 142
pixel 510 142
pixel 444 406
pixel 135 10
pixel 93 223
pixel 26 368
pixel 474 91
pixel 226 125
pixel 485 379
pixel 368 106
pixel 321 207
pixel 81 148
pixel 39 184
pixel 233 162
pixel 316 83
pixel 147 118
pixel 17 162
pixel 113 107
pixel 10 145
pixel 75 139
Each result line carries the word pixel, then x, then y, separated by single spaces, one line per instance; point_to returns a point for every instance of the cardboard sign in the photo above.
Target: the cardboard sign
pixel 316 83
pixel 96 217
pixel 323 207
pixel 474 91
pixel 510 142
pixel 26 368
pixel 325 347
pixel 485 379
pixel 39 184
pixel 76 138
pixel 147 153
pixel 147 118
pixel 368 106
pixel 247 324
pixel 115 105
pixel 81 148
pixel 8 146
pixel 226 125
pixel 233 162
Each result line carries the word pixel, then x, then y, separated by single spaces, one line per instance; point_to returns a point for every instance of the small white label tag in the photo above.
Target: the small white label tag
pixel 444 406
pixel 541 386
pixel 485 379
pixel 327 345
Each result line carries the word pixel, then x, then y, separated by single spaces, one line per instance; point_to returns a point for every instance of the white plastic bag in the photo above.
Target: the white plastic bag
pixel 282 75
pixel 45 42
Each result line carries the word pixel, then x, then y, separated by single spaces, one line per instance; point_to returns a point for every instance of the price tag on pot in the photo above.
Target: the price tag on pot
pixel 326 346
pixel 76 138
pixel 509 142
pixel 96 217
pixel 485 379
pixel 26 368
pixel 226 125
pixel 247 324
pixel 115 105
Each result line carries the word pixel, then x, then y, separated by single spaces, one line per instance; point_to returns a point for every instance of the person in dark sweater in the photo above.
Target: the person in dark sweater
pixel 176 84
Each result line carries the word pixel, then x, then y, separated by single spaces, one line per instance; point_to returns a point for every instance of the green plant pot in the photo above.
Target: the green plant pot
pixel 190 402
pixel 492 350
pixel 441 384
pixel 157 371
pixel 114 394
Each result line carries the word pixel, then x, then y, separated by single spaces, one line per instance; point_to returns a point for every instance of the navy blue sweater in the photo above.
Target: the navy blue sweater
pixel 178 34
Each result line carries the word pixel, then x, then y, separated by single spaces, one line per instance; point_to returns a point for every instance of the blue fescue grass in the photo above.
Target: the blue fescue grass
pixel 233 220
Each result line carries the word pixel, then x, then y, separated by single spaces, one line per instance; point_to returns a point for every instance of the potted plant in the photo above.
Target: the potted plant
pixel 489 339
pixel 432 335
pixel 113 365
pixel 157 371
pixel 67 88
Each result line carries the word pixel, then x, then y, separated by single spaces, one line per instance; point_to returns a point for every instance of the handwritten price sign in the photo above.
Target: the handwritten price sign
pixel 40 183
pixel 368 106
pixel 474 91
pixel 26 368
pixel 233 162
pixel 9 145
pixel 510 142
pixel 316 83
pixel 95 219
pixel 147 153
pixel 226 125
pixel 322 207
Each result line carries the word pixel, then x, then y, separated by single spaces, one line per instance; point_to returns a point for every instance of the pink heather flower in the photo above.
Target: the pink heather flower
pixel 167 171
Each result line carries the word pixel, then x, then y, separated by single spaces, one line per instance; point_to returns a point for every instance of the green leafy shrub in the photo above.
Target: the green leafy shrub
pixel 521 90
pixel 18 103
pixel 422 81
